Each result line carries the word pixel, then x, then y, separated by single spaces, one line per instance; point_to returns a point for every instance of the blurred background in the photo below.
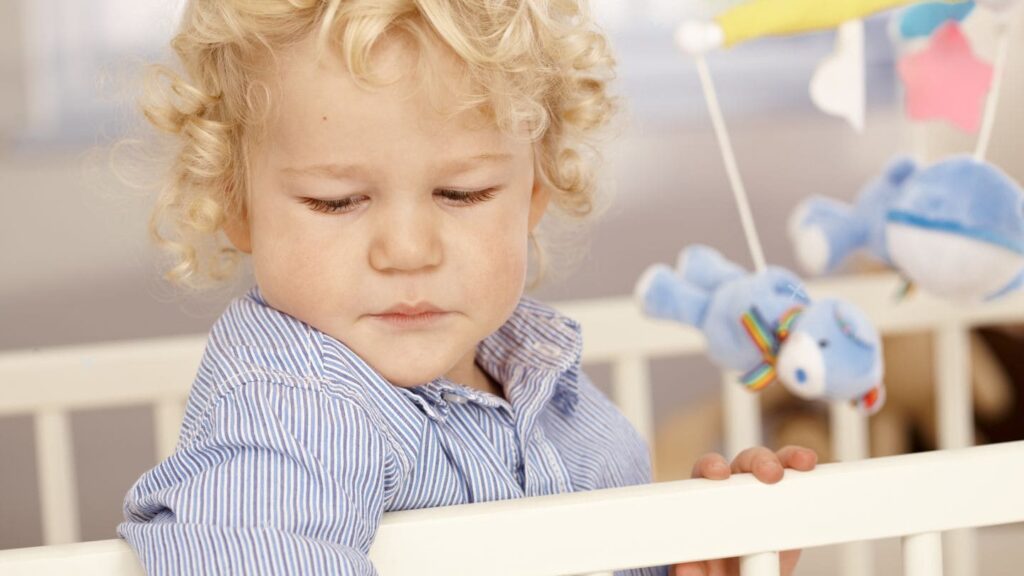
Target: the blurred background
pixel 76 265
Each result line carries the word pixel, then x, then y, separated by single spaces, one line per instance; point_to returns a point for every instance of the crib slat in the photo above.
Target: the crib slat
pixel 631 385
pixel 849 432
pixel 922 554
pixel 763 564
pixel 742 415
pixel 167 416
pixel 962 552
pixel 56 470
pixel 955 412
pixel 850 443
pixel 953 378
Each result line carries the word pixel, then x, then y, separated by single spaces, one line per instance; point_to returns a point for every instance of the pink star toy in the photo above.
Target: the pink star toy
pixel 947 81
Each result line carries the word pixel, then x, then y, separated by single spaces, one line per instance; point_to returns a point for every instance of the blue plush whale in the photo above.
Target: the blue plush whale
pixel 956 228
pixel 766 327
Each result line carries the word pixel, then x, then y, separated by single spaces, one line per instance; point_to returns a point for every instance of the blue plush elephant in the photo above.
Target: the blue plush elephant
pixel 765 326
pixel 956 228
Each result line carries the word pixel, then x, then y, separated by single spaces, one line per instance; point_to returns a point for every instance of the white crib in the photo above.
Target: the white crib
pixel 915 497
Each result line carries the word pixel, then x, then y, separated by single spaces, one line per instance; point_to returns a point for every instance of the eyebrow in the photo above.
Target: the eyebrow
pixel 342 171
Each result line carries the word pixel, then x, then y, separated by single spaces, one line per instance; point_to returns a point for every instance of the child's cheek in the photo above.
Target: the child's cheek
pixel 489 263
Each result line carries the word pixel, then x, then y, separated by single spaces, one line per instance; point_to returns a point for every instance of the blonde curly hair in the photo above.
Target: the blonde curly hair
pixel 542 62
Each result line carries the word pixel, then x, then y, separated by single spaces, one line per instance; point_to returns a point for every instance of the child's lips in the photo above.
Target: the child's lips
pixel 418 315
pixel 420 320
pixel 411 309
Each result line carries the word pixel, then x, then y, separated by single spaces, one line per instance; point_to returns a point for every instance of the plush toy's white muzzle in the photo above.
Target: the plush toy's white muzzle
pixel 801 366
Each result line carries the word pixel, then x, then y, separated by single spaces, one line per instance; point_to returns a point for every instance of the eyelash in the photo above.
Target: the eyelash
pixel 343 205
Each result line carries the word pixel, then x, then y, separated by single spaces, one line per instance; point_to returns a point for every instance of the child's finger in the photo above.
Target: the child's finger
pixel 798 458
pixel 723 567
pixel 787 561
pixel 690 569
pixel 760 461
pixel 712 466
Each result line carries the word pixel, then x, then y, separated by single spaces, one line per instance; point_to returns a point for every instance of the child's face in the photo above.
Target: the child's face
pixel 400 241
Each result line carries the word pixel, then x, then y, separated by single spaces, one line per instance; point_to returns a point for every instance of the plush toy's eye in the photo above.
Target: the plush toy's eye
pixel 823 343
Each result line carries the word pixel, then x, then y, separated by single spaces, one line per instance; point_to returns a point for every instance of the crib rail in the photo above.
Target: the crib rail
pixel 50 383
pixel 914 497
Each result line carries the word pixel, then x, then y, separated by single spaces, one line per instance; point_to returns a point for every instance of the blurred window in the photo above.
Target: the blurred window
pixel 83 61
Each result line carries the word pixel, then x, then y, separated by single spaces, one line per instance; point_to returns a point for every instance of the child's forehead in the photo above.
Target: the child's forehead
pixel 319 102
pixel 396 61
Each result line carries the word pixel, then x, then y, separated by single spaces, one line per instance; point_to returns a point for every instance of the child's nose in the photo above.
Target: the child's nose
pixel 405 241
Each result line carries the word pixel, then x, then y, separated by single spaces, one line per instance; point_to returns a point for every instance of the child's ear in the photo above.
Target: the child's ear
pixel 237 231
pixel 538 202
pixel 539 198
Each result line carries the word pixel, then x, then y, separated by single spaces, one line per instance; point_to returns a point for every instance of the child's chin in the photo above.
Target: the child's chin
pixel 408 375
pixel 411 383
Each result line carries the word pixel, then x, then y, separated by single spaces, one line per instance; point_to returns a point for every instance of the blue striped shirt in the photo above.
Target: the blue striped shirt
pixel 292 446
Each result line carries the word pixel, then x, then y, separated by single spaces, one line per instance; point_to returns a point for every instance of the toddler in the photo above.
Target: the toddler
pixel 384 164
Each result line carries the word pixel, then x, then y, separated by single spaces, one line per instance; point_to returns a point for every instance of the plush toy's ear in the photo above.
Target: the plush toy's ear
pixel 870 403
pixel 855 325
pixel 900 169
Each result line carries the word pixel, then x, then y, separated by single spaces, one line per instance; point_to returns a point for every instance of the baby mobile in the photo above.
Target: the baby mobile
pixel 962 208
pixel 763 324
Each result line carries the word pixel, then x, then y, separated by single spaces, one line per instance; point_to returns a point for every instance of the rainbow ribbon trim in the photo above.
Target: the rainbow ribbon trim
pixel 768 341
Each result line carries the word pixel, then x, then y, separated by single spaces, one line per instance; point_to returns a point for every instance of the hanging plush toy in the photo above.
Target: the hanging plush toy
pixel 764 326
pixel 956 229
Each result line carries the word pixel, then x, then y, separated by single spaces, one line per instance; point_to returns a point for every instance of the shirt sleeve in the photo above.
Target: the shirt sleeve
pixel 278 479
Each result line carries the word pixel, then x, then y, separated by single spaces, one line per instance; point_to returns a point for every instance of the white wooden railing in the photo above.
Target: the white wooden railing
pixel 52 382
pixel 914 497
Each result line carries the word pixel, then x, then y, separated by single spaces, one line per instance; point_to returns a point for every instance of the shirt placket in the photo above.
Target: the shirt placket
pixel 496 408
pixel 543 470
pixel 451 398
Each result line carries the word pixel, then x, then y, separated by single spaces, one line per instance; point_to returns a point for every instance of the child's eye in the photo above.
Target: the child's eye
pixel 472 197
pixel 335 206
pixel 352 202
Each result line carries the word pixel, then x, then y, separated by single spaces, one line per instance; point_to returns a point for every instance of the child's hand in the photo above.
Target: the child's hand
pixel 767 467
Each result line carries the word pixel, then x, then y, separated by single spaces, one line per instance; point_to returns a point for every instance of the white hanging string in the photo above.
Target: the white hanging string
pixel 753 242
pixel 992 103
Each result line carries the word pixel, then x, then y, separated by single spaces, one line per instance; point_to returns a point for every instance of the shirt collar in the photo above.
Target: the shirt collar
pixel 537 344
pixel 536 340
pixel 536 336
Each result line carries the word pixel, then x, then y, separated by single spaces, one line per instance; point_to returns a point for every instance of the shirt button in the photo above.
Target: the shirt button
pixel 454 398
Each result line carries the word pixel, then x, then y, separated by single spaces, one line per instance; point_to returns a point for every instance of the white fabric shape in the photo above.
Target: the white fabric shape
pixel 838 84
